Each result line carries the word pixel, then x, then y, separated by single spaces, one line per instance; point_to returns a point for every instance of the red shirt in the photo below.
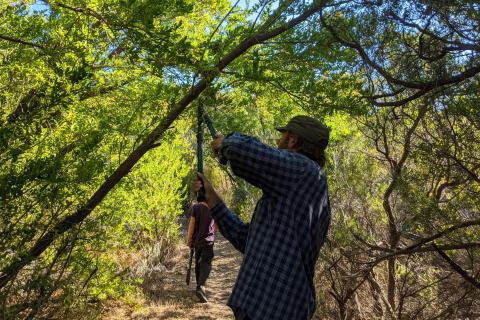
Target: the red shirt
pixel 203 233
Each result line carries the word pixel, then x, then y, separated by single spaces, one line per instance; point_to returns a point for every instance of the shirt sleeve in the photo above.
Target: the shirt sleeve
pixel 273 170
pixel 192 211
pixel 230 226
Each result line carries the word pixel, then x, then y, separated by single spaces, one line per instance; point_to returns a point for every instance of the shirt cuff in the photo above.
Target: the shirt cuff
pixel 227 142
pixel 219 211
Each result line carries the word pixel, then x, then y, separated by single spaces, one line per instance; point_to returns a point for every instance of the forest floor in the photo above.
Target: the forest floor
pixel 171 298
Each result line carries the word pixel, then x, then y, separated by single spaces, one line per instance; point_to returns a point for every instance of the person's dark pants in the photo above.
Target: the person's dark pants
pixel 203 263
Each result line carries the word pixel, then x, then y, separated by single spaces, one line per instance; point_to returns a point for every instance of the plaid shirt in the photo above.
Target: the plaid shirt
pixel 282 241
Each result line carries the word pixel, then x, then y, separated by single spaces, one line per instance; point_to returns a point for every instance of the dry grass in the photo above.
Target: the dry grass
pixel 166 296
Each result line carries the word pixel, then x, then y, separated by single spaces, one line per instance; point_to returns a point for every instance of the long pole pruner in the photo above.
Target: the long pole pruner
pixel 201 116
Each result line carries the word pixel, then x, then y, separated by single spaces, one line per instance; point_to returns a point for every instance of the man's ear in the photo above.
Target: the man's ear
pixel 292 141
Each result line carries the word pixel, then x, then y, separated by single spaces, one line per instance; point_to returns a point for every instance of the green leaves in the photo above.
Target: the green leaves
pixel 84 82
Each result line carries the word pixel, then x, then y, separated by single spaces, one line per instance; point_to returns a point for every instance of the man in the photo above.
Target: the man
pixel 201 238
pixel 282 241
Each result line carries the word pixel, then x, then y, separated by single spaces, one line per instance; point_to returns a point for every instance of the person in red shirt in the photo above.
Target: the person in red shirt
pixel 201 230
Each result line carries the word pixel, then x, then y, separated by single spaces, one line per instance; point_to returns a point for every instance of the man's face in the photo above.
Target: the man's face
pixel 282 142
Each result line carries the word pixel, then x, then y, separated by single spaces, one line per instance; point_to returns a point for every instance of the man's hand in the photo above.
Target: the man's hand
pixel 212 197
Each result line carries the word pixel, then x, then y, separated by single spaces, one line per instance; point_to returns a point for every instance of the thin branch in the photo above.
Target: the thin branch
pixel 445 247
pixel 31 44
pixel 386 95
pixel 456 267
pixel 277 14
pixel 401 102
pixel 259 13
pixel 409 249
pixel 87 11
pixel 223 20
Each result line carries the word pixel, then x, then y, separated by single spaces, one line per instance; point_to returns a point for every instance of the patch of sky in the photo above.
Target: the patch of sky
pixel 39 7
pixel 179 76
pixel 254 7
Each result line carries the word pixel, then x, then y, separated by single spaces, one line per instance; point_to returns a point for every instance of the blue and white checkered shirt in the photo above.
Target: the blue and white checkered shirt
pixel 282 241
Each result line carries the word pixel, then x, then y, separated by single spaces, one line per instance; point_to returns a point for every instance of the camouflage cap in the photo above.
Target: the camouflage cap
pixel 308 128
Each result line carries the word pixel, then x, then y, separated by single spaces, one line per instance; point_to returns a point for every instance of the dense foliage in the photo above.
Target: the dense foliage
pixel 97 113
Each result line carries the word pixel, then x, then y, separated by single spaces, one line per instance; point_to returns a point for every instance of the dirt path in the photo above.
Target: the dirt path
pixel 172 299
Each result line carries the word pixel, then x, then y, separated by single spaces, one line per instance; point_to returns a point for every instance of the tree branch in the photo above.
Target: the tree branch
pixel 412 248
pixel 456 267
pixel 87 11
pixel 422 87
pixel 31 44
pixel 460 45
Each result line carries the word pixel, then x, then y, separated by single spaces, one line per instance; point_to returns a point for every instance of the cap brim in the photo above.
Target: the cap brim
pixel 281 129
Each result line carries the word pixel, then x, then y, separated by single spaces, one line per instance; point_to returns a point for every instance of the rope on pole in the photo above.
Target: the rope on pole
pixel 209 123
pixel 200 138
